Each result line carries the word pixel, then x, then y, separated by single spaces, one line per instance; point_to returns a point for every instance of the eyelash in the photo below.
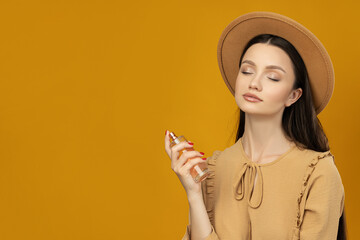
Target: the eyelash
pixel 273 79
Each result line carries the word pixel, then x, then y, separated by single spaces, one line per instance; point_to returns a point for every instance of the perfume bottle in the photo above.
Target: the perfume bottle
pixel 200 171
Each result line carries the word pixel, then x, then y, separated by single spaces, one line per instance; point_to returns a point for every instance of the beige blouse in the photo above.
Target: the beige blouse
pixel 300 195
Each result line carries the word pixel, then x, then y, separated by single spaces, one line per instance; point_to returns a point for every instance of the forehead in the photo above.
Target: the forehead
pixel 263 54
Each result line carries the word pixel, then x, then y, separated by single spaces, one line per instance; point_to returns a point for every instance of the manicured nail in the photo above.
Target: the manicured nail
pixel 203 158
pixel 165 132
pixel 202 153
pixel 190 143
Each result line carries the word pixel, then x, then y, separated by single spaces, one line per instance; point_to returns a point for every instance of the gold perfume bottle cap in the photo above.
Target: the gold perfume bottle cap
pixel 172 135
pixel 174 138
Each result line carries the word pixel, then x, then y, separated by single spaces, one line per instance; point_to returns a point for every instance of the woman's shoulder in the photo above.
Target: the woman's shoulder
pixel 229 150
pixel 215 155
pixel 323 160
pixel 321 165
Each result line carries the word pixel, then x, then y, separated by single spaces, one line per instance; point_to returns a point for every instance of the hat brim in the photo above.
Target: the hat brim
pixel 317 61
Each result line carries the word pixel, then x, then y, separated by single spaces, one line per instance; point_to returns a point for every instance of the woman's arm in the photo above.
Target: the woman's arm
pixel 200 226
pixel 323 203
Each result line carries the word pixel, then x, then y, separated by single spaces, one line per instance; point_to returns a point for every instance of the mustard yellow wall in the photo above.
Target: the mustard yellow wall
pixel 88 88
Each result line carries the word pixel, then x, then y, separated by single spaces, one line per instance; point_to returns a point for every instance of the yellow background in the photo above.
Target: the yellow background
pixel 88 88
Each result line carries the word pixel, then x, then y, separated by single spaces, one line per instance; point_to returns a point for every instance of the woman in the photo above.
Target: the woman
pixel 279 180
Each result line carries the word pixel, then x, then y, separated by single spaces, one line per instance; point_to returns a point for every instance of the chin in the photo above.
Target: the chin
pixel 256 109
pixel 261 111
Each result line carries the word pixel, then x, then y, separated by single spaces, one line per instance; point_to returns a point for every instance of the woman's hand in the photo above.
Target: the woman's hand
pixel 180 165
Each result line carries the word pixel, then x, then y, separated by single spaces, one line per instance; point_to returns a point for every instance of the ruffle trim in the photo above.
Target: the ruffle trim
pixel 209 185
pixel 301 203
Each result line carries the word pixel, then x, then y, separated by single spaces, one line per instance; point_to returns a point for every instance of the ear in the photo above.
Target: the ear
pixel 293 97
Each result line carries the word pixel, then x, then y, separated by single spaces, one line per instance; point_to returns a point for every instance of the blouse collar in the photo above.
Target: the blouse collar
pixel 250 174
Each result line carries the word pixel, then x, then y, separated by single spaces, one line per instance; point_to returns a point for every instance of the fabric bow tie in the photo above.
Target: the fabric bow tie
pixel 249 171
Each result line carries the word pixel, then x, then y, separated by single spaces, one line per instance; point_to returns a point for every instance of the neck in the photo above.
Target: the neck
pixel 264 137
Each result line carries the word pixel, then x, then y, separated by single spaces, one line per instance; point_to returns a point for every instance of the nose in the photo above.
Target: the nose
pixel 255 82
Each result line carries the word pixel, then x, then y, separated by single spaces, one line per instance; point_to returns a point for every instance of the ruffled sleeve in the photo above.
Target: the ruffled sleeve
pixel 207 187
pixel 321 200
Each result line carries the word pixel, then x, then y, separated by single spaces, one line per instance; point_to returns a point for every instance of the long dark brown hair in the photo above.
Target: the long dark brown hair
pixel 299 121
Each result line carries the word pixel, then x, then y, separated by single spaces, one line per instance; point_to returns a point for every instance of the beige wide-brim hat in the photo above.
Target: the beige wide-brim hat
pixel 317 61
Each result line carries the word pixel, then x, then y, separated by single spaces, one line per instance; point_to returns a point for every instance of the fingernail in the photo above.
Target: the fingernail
pixel 203 158
pixel 165 132
pixel 202 153
pixel 191 143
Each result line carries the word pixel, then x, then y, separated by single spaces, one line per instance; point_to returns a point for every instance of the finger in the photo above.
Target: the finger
pixel 187 166
pixel 186 155
pixel 176 148
pixel 176 164
pixel 167 143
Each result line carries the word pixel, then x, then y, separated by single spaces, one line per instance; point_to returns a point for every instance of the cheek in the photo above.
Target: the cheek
pixel 240 86
pixel 277 94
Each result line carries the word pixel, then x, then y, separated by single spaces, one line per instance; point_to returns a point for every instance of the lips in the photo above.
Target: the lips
pixel 252 97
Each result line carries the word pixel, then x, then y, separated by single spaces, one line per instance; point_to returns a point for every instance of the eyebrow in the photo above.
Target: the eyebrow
pixel 267 67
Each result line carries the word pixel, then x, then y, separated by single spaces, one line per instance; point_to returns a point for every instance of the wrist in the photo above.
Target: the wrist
pixel 195 197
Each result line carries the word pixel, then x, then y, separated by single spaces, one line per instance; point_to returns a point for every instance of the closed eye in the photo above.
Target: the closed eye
pixel 276 80
pixel 246 73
